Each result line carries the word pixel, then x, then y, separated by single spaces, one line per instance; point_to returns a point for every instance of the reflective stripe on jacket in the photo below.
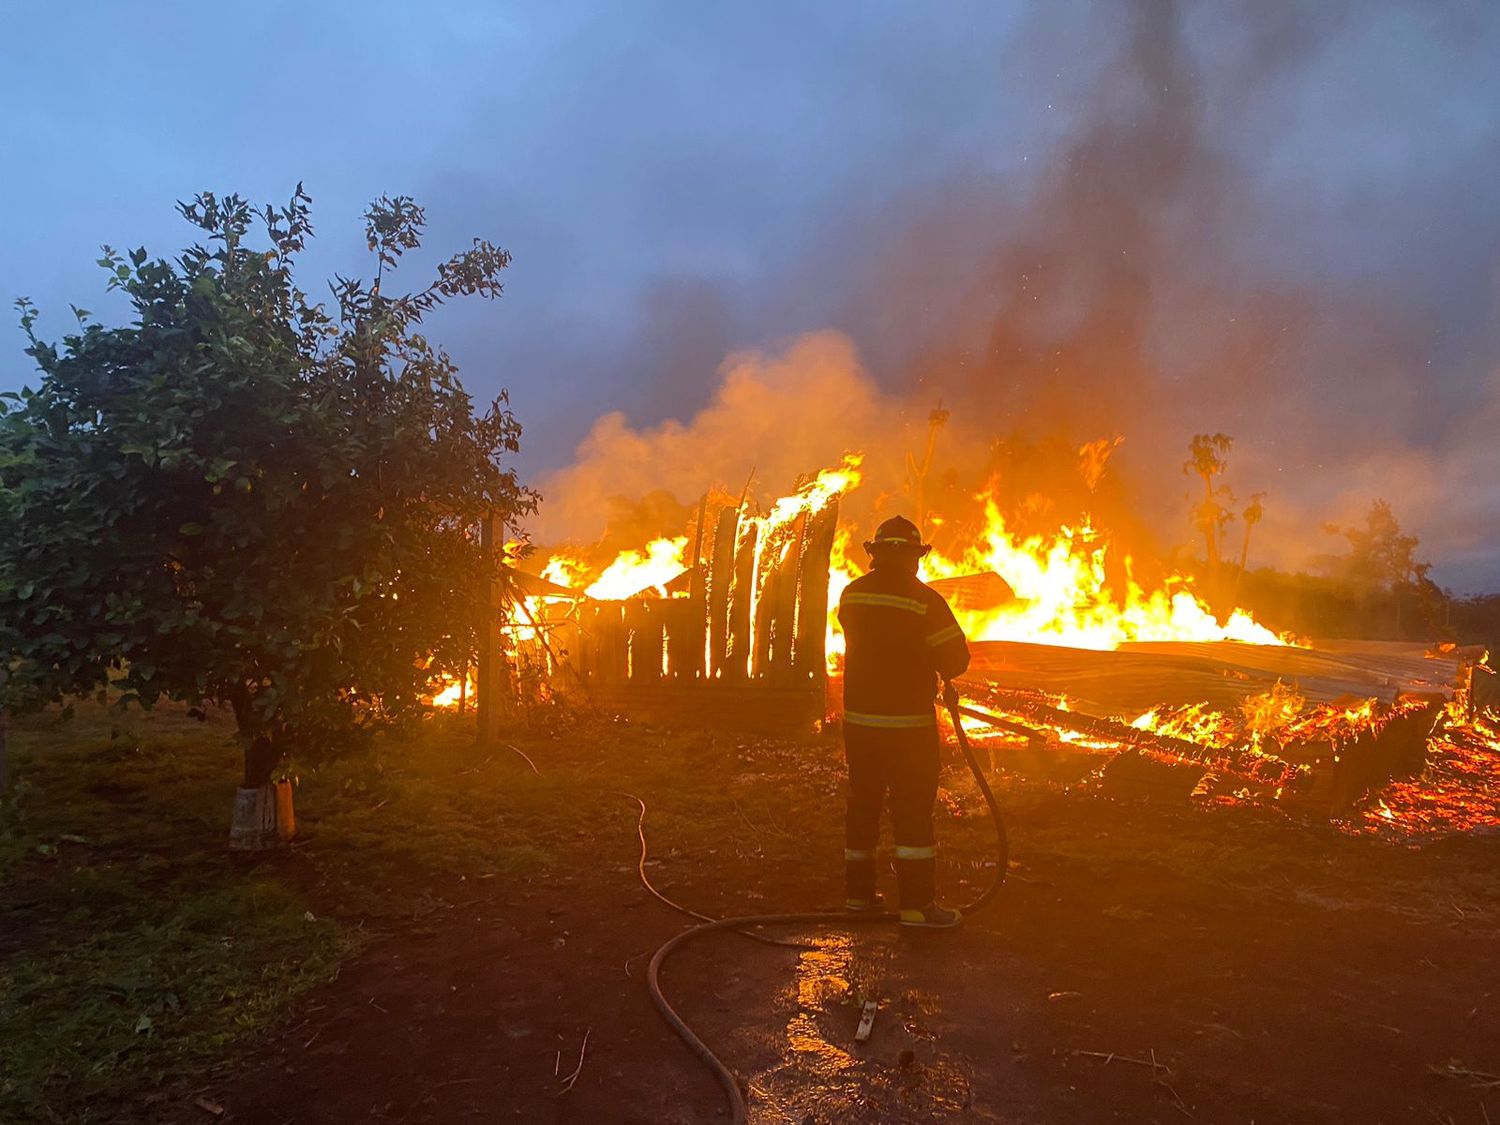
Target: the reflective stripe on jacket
pixel 901 636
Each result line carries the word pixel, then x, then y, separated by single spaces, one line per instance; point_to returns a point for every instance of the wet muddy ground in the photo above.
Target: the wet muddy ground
pixel 1141 965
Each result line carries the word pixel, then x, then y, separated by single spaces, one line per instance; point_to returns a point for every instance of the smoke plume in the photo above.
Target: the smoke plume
pixel 1132 286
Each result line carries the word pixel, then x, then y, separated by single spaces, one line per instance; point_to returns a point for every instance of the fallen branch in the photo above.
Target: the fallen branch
pixel 577 1070
pixel 1111 1056
pixel 523 754
pixel 1167 1086
pixel 1160 1072
pixel 1480 1079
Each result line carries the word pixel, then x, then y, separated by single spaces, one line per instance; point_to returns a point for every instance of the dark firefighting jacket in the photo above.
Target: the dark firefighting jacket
pixel 900 637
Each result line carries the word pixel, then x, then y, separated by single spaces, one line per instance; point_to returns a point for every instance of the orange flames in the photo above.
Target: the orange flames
pixel 1071 589
pixel 634 572
pixel 1064 596
pixel 1062 582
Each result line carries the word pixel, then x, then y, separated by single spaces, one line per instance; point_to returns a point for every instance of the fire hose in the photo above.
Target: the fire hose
pixel 738 1110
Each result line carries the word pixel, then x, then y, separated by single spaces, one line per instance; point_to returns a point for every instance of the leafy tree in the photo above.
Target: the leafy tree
pixel 1208 457
pixel 1254 512
pixel 1380 557
pixel 241 497
pixel 1383 560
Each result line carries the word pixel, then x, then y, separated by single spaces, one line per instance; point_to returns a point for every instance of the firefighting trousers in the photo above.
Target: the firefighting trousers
pixel 904 765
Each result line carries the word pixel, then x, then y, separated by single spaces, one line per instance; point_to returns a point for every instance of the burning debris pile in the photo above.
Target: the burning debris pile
pixel 1322 736
pixel 1083 671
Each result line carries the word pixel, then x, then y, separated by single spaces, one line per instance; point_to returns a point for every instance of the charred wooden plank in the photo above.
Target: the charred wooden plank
pixel 811 631
pixel 741 591
pixel 1009 725
pixel 781 600
pixel 696 570
pixel 683 622
pixel 616 648
pixel 720 580
pixel 1143 775
pixel 1036 710
pixel 644 624
pixel 776 543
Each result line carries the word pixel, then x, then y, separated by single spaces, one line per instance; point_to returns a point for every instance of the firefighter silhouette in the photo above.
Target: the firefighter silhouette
pixel 901 638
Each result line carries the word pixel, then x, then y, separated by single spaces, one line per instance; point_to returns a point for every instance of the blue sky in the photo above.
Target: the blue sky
pixel 678 181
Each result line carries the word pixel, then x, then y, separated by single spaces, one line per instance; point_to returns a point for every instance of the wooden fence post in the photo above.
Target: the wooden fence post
pixel 492 686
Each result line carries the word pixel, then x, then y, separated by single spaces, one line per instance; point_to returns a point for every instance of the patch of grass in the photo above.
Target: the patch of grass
pixel 137 952
pixel 135 948
pixel 130 1009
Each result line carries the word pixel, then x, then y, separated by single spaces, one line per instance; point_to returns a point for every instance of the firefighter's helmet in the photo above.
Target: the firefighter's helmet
pixel 897 534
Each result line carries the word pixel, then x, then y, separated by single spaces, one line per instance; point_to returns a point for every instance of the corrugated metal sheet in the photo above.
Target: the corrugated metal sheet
pixel 1137 677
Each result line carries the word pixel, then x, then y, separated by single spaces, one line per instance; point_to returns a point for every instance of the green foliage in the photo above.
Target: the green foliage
pixel 133 955
pixel 1208 457
pixel 157 997
pixel 241 497
pixel 1380 556
pixel 135 959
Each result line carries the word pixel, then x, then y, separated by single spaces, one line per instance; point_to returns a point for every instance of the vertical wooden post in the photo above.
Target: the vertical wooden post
pixel 720 579
pixel 493 686
pixel 644 625
pixel 695 575
pixel 812 594
pixel 741 627
pixel 783 616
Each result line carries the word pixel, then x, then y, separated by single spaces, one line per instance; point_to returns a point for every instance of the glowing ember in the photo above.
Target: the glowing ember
pixel 1458 792
pixel 1267 714
pixel 1196 722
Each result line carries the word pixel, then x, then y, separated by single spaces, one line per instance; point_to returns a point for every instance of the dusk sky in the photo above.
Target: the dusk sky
pixel 1306 195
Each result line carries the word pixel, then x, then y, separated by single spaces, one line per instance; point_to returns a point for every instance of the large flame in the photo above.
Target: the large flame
pixel 1064 596
pixel 634 572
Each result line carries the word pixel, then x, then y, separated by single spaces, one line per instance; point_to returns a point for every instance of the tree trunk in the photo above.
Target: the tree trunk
pixel 1211 536
pixel 261 758
pixel 1234 596
pixel 263 816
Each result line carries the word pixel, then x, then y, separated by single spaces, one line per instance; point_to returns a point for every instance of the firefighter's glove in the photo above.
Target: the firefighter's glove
pixel 950 694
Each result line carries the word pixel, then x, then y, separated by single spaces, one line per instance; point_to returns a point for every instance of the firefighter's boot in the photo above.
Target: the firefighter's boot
pixel 859 881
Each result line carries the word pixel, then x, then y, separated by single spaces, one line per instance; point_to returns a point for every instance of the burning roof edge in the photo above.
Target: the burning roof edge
pixel 534 586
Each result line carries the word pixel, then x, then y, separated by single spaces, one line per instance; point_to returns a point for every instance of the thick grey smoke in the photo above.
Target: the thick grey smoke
pixel 777 416
pixel 1136 277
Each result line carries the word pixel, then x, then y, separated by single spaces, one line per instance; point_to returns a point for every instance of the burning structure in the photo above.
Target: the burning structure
pixel 1084 671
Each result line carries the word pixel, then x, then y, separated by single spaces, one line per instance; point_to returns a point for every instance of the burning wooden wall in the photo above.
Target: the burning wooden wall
pixel 743 644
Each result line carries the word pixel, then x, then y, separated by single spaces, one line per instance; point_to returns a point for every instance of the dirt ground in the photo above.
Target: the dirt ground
pixel 1143 964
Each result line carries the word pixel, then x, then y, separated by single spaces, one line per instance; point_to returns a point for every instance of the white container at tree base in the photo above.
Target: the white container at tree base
pixel 263 817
